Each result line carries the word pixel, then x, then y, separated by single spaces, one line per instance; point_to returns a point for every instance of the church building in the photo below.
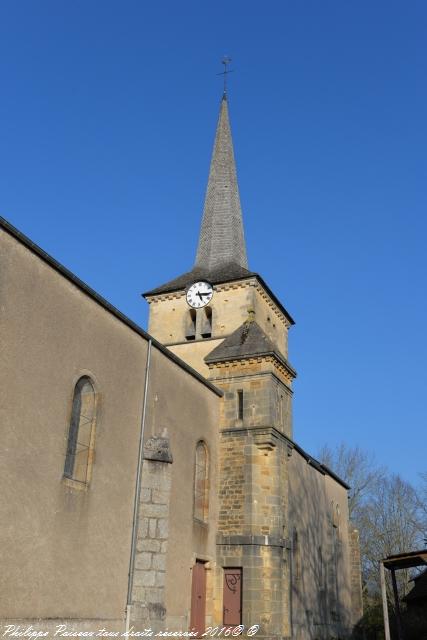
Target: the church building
pixel 152 480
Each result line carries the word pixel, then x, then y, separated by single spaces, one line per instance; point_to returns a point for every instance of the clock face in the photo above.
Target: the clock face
pixel 199 294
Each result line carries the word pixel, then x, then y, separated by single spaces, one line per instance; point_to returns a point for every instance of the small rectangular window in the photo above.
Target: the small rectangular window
pixel 240 404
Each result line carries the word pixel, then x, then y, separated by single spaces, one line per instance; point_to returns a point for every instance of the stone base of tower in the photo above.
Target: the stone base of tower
pixel 283 531
pixel 252 536
pixel 265 582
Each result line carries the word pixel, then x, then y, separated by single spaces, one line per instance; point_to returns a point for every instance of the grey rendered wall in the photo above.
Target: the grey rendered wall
pixel 65 552
pixel 320 583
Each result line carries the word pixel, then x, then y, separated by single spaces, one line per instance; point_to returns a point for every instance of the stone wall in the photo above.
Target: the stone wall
pixel 148 593
pixel 232 488
pixel 253 526
pixel 230 304
pixel 266 401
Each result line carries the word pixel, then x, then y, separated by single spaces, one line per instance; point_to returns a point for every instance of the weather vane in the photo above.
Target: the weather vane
pixel 225 61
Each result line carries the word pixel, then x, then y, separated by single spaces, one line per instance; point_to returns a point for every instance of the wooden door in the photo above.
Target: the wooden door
pixel 198 598
pixel 232 597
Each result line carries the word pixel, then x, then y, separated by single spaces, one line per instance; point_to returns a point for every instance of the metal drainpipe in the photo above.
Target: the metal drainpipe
pixel 137 491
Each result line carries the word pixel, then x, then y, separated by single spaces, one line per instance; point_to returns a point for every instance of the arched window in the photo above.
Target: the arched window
pixel 201 485
pixel 81 433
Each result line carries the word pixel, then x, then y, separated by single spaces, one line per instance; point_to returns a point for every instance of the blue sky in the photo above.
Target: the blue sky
pixel 108 112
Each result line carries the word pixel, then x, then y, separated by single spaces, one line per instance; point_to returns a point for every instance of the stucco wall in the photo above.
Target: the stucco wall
pixel 65 551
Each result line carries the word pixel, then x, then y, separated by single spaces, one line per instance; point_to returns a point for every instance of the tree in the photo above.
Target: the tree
pixel 387 510
pixel 390 522
pixel 422 497
pixel 358 469
pixel 391 516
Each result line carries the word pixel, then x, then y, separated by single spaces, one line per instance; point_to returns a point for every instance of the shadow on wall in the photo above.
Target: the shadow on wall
pixel 320 590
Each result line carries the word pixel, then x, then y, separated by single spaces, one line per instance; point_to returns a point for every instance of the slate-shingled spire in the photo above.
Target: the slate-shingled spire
pixel 221 239
pixel 221 254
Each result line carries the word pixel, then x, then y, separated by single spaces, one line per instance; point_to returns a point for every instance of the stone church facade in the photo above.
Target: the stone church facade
pixel 152 480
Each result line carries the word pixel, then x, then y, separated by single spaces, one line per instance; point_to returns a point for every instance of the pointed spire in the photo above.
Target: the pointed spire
pixel 221 238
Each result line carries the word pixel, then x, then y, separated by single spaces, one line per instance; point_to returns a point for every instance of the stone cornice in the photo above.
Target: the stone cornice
pixel 247 540
pixel 285 318
pixel 271 434
pixel 160 297
pixel 252 281
pixel 217 380
pixel 284 370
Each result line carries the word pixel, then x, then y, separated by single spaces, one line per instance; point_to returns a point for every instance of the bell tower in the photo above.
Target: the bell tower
pixel 225 322
pixel 193 331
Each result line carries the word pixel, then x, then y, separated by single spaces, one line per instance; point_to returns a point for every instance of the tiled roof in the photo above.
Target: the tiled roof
pixel 248 340
pixel 221 252
pixel 220 273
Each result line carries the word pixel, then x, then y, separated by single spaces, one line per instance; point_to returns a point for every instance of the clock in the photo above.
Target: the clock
pixel 199 294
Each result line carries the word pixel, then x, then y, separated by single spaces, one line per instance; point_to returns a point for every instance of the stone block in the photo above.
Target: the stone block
pixel 152 528
pixel 157 449
pixel 145 578
pixel 138 594
pixel 145 495
pixel 143 560
pixel 157 611
pixel 159 562
pixel 162 528
pixel 156 475
pixel 143 528
pixel 140 614
pixel 150 545
pixel 155 511
pixel 160 579
pixel 154 594
pixel 160 496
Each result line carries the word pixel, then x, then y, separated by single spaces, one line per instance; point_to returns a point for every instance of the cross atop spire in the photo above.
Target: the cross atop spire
pixel 225 61
pixel 221 240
